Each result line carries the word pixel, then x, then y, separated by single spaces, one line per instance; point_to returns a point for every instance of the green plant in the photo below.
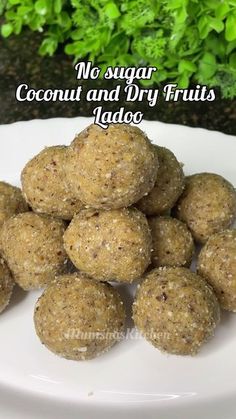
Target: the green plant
pixel 187 40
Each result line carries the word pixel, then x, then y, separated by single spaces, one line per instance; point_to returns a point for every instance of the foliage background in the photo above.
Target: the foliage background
pixel 187 40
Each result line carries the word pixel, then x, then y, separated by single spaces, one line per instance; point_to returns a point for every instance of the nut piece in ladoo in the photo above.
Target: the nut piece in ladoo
pixel 172 242
pixel 111 168
pixel 32 245
pixel 6 285
pixel 217 264
pixel 207 205
pixel 109 245
pixel 168 186
pixel 44 184
pixel 79 318
pixel 11 202
pixel 176 310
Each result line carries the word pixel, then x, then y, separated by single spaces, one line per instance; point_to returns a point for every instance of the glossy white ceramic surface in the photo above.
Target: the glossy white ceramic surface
pixel 133 380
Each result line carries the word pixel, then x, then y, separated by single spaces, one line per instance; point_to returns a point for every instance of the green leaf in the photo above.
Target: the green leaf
pixel 183 81
pixel 203 27
pixel 48 46
pixel 41 7
pixel 215 45
pixel 207 23
pixel 160 75
pixel 14 2
pixel 36 22
pixel 216 24
pixel 111 10
pixel 211 4
pixel 18 26
pixel 181 15
pixel 65 21
pixel 232 60
pixel 23 10
pixel 57 4
pixel 185 65
pixel 230 47
pixel 230 27
pixel 222 10
pixel 10 15
pixel 73 49
pixel 175 4
pixel 6 30
pixel 207 66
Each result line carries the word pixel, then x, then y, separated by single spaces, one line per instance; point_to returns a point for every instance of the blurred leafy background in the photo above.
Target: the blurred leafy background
pixel 187 40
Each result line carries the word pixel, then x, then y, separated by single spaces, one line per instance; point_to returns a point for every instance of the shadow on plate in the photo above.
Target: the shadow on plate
pixel 17 297
pixel 224 333
pixel 127 293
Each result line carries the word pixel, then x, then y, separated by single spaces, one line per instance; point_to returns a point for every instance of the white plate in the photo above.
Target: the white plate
pixel 133 380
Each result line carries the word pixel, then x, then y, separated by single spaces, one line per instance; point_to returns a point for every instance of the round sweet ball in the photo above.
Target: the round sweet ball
pixel 176 310
pixel 217 264
pixel 79 318
pixel 111 168
pixel 109 245
pixel 6 285
pixel 11 202
pixel 207 205
pixel 44 184
pixel 32 246
pixel 168 187
pixel 172 242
